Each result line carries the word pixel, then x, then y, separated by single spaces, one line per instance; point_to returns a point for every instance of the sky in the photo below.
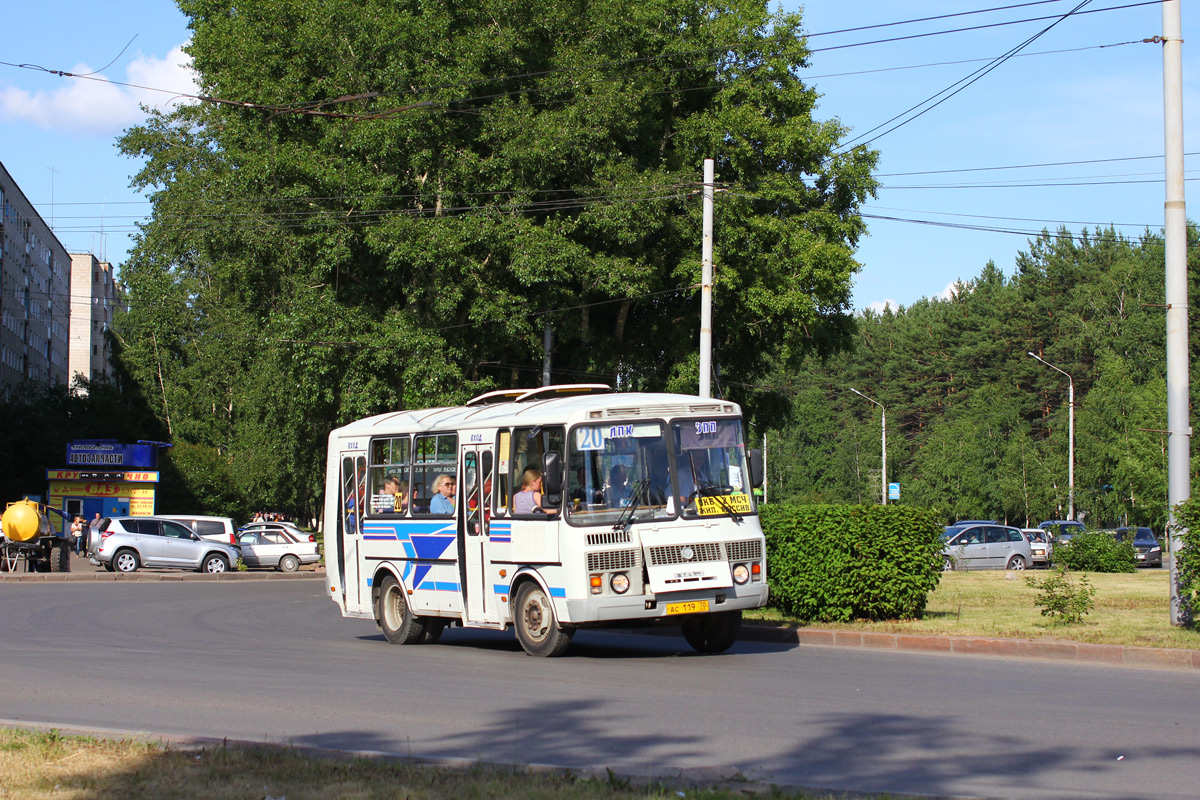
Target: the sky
pixel 967 182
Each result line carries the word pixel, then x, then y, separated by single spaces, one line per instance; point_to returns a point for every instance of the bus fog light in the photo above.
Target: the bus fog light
pixel 741 574
pixel 619 583
pixel 597 584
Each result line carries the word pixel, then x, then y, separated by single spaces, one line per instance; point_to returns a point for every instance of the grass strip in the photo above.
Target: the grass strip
pixel 1130 609
pixel 49 764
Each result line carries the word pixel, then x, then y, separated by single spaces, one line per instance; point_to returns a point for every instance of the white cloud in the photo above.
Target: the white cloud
pixel 879 306
pixel 949 292
pixel 95 105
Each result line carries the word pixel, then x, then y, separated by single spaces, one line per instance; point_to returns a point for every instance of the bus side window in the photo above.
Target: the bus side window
pixel 433 456
pixel 389 487
pixel 529 449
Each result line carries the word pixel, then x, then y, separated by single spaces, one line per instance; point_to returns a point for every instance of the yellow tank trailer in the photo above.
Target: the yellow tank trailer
pixel 29 537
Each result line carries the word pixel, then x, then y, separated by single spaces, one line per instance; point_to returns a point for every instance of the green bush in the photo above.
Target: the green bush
pixel 1187 559
pixel 1095 551
pixel 1062 600
pixel 835 563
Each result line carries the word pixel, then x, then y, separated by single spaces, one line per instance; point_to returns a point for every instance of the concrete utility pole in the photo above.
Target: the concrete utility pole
pixel 882 438
pixel 1179 428
pixel 547 345
pixel 1070 435
pixel 706 250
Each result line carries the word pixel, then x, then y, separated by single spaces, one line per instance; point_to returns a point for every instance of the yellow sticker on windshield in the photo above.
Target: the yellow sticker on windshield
pixel 724 504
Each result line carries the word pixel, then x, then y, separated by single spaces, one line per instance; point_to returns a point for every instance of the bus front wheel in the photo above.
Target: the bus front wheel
pixel 537 630
pixel 400 625
pixel 713 633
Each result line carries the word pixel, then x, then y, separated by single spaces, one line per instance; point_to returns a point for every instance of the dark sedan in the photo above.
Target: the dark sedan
pixel 1145 544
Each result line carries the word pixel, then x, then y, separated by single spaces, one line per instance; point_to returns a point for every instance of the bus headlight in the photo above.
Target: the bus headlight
pixel 619 583
pixel 740 574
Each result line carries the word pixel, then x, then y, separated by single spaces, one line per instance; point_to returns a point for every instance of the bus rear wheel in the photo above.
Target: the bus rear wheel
pixel 713 633
pixel 537 630
pixel 400 625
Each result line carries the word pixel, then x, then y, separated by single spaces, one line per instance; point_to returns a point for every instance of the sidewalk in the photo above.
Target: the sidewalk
pixel 1055 650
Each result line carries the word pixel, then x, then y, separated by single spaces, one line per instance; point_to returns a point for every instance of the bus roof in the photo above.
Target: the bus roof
pixel 565 408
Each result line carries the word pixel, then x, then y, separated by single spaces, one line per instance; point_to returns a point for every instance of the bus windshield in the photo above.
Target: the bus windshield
pixel 628 472
pixel 710 461
pixel 613 467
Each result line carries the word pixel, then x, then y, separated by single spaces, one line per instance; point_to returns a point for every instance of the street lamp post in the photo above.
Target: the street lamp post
pixel 882 439
pixel 1070 435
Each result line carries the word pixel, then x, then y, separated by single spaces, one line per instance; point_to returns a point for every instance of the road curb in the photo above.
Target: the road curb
pixel 1053 650
pixel 143 575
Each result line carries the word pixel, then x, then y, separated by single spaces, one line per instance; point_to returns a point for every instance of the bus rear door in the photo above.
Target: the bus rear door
pixel 353 501
pixel 479 603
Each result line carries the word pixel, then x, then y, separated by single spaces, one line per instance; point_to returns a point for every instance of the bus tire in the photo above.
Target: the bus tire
pixel 712 633
pixel 433 630
pixel 537 630
pixel 399 624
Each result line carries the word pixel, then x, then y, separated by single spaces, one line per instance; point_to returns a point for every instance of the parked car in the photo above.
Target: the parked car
pixel 281 549
pixel 218 529
pixel 986 545
pixel 1040 546
pixel 286 527
pixel 127 543
pixel 1062 529
pixel 1145 543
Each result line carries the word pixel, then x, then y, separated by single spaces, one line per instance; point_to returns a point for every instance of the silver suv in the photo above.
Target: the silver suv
pixel 127 543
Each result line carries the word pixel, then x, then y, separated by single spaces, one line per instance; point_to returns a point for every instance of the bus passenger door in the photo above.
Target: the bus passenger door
pixel 479 604
pixel 353 498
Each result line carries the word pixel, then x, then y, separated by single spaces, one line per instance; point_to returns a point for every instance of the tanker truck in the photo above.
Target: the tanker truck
pixel 28 536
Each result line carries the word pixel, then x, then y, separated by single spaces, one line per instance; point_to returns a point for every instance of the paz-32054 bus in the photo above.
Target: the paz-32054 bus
pixel 549 510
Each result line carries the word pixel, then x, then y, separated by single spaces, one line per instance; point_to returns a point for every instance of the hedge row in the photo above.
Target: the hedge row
pixel 834 563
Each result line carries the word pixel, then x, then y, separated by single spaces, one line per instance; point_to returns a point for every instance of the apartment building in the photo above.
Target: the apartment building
pixel 92 299
pixel 35 294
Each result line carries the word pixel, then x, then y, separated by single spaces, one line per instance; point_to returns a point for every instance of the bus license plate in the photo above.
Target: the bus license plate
pixel 691 607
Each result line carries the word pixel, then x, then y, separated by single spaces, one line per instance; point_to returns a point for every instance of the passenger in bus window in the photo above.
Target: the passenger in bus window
pixel 443 495
pixel 398 489
pixel 529 499
pixel 616 493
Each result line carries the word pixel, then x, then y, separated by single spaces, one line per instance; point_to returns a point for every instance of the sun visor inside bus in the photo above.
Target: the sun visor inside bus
pixel 703 435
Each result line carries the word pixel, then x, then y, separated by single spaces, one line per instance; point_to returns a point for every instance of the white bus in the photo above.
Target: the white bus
pixel 646 515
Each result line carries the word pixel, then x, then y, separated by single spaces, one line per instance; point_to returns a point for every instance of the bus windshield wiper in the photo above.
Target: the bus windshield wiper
pixel 636 491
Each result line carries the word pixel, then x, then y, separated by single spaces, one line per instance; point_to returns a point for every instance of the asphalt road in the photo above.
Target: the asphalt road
pixel 273 661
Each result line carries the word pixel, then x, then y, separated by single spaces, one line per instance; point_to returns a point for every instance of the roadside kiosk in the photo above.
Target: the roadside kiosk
pixel 106 477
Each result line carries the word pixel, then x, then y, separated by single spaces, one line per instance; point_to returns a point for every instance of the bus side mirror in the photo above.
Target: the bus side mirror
pixel 552 473
pixel 756 468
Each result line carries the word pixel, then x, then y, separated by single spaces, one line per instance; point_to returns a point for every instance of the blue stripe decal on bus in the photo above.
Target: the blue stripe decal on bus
pixel 558 592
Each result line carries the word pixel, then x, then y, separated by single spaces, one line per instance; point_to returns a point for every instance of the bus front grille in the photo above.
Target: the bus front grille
pixel 674 553
pixel 750 550
pixel 610 560
pixel 608 537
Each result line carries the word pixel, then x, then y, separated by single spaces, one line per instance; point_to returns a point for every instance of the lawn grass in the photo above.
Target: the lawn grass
pixel 36 765
pixel 1130 609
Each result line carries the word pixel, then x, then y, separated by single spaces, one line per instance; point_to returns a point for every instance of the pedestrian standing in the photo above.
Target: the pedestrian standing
pixel 76 532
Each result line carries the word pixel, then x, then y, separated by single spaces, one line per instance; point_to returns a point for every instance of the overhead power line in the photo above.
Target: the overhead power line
pixel 315 107
pixel 932 102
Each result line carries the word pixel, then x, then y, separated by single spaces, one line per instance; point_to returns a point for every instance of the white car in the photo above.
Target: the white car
pixel 1040 546
pixel 280 548
pixel 218 529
